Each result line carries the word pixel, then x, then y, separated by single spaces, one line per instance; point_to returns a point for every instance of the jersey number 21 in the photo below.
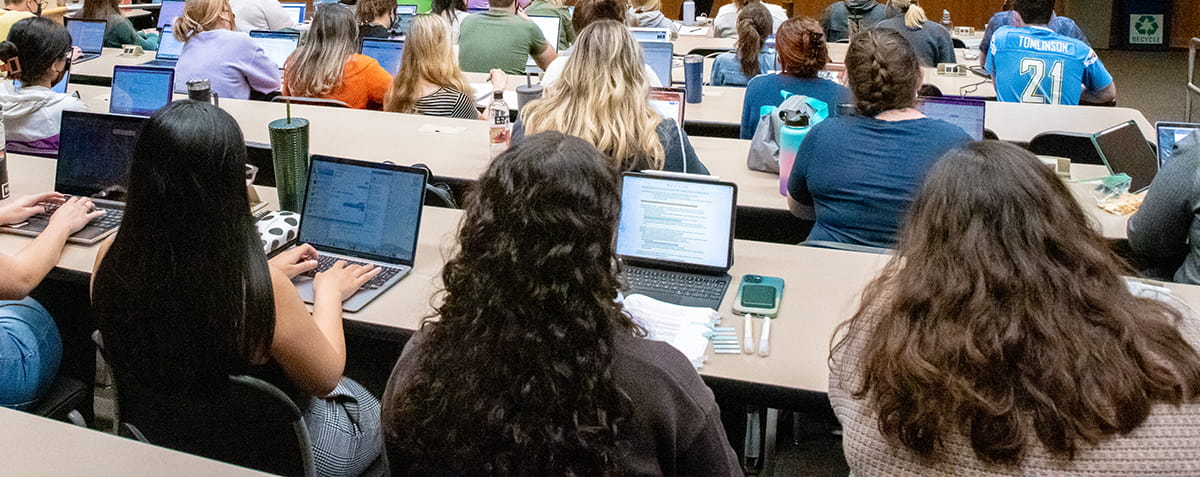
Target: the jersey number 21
pixel 1036 68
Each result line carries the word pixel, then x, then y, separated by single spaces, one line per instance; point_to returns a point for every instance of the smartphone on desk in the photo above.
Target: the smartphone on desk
pixel 758 295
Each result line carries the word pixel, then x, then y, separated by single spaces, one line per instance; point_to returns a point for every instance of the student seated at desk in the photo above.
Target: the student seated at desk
pixel 930 40
pixel 185 296
pixel 750 57
pixel 234 65
pixel 429 81
pixel 802 54
pixel 1167 226
pixel 530 366
pixel 250 15
pixel 604 98
pixel 648 14
pixel 725 23
pixel 555 8
pixel 15 11
pixel 375 18
pixel 328 64
pixel 586 13
pixel 120 30
pixel 500 39
pixel 856 174
pixel 1004 339
pixel 1007 17
pixel 30 347
pixel 454 12
pixel 32 111
pixel 843 19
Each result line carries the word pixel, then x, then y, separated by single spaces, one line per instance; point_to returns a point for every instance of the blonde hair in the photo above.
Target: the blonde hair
pixel 914 15
pixel 427 56
pixel 317 66
pixel 603 96
pixel 200 16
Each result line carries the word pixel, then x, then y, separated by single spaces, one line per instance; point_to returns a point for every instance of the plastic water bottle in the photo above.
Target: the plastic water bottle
pixel 501 127
pixel 946 20
pixel 795 128
pixel 689 13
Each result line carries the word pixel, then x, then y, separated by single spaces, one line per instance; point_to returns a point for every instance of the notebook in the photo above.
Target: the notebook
pixel 362 212
pixel 675 237
pixel 405 14
pixel 278 45
pixel 168 49
pixel 669 102
pixel 297 10
pixel 140 90
pixel 1168 135
pixel 387 52
pixel 658 56
pixel 168 11
pixel 966 113
pixel 650 34
pixel 88 36
pixel 1125 150
pixel 549 27
pixel 94 155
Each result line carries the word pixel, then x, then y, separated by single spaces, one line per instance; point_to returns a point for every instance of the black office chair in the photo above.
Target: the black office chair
pixel 1077 147
pixel 958 43
pixel 62 401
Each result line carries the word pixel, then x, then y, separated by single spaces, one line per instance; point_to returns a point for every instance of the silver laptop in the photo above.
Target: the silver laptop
pixel 550 30
pixel 167 13
pixel 658 55
pixel 675 237
pixel 88 36
pixel 363 213
pixel 168 49
pixel 278 45
pixel 1169 134
pixel 650 34
pixel 1124 150
pixel 94 155
pixel 966 113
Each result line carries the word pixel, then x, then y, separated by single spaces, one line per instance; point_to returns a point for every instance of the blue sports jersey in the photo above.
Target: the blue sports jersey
pixel 1036 65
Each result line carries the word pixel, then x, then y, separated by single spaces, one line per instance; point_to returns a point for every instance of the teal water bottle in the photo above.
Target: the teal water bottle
pixel 795 127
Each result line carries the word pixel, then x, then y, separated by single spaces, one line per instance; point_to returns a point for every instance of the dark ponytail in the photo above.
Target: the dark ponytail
pixel 882 70
pixel 37 43
pixel 754 24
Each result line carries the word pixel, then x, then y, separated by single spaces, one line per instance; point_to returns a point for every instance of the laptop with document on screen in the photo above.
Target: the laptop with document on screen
pixel 675 237
pixel 362 213
pixel 140 90
pixel 658 55
pixel 966 113
pixel 669 102
pixel 88 36
pixel 405 14
pixel 168 49
pixel 278 45
pixel 94 154
pixel 549 27
pixel 650 34
pixel 1169 134
pixel 1124 149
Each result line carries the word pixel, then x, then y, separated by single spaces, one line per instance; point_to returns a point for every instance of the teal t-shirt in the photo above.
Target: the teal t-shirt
pixel 496 39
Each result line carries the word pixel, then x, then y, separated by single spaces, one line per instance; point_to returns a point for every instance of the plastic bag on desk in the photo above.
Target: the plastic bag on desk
pixel 1112 194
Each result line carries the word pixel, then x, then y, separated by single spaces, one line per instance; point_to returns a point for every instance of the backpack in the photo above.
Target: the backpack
pixel 764 147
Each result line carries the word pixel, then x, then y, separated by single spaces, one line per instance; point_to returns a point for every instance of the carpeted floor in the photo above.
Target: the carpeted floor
pixel 1151 82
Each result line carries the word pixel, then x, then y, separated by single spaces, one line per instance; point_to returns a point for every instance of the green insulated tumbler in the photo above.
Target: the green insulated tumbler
pixel 289 150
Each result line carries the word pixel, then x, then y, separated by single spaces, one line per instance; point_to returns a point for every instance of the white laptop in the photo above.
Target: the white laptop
pixel 298 10
pixel 278 45
pixel 549 27
pixel 650 34
pixel 658 55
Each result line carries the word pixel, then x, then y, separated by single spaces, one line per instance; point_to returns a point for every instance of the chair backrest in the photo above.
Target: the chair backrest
pixel 1077 147
pixel 958 43
pixel 333 103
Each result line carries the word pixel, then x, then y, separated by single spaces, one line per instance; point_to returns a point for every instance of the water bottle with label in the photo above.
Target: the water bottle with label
pixel 946 21
pixel 795 128
pixel 500 127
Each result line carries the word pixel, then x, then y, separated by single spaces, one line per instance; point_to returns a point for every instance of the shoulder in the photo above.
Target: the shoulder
pixel 667 130
pixel 727 9
pixel 655 370
pixel 937 129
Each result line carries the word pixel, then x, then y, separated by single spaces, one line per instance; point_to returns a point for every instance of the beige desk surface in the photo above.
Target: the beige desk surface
pixel 102 67
pixel 37 446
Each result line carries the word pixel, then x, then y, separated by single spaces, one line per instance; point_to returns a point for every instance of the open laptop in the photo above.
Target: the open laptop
pixel 363 213
pixel 966 113
pixel 1168 135
pixel 405 14
pixel 675 237
pixel 140 90
pixel 387 52
pixel 650 34
pixel 94 155
pixel 88 36
pixel 658 56
pixel 278 45
pixel 298 10
pixel 1123 148
pixel 168 49
pixel 167 13
pixel 669 102
pixel 549 27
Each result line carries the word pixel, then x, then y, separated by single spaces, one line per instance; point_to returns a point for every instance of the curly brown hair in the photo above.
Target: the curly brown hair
pixel 883 71
pixel 516 377
pixel 368 10
pixel 800 43
pixel 1005 315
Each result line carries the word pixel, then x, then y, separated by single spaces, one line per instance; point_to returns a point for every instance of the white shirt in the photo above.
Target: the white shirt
pixel 555 69
pixel 261 15
pixel 725 24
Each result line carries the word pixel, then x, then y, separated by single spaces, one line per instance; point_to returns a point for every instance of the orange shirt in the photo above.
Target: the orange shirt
pixel 364 83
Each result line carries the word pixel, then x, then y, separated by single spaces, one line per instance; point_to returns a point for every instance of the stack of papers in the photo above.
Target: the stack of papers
pixel 687 328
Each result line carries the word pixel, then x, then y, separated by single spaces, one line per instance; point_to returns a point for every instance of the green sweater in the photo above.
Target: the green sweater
pixel 566 29
pixel 120 32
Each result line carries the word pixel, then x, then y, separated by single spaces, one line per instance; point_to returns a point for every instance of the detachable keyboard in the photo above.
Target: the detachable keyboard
pixel 325 262
pixel 691 288
pixel 110 219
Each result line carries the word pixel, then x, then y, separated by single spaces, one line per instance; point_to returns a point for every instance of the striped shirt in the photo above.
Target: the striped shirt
pixel 447 102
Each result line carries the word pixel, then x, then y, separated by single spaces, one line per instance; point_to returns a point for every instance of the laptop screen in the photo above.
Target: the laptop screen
pixel 406 9
pixel 88 35
pixel 365 209
pixel 168 47
pixel 278 45
pixel 168 11
pixel 549 27
pixel 140 90
pixel 677 220
pixel 967 114
pixel 296 9
pixel 650 34
pixel 1124 149
pixel 658 57
pixel 94 154
pixel 387 52
pixel 1170 134
pixel 668 102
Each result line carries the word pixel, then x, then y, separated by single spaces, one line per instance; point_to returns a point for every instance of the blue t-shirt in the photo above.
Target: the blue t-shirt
pixel 1061 25
pixel 1036 65
pixel 727 68
pixel 860 187
pixel 763 90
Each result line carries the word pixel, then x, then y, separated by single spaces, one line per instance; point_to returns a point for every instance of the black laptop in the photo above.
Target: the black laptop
pixel 88 36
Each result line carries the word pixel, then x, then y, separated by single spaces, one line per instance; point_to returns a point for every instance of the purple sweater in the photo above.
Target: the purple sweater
pixel 231 62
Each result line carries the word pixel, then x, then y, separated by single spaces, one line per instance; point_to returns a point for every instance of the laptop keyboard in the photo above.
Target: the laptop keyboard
pixel 110 219
pixel 675 283
pixel 325 262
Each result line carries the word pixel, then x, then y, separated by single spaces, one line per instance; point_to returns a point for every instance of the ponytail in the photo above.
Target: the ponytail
pixel 9 63
pixel 754 24
pixel 915 16
pixel 198 16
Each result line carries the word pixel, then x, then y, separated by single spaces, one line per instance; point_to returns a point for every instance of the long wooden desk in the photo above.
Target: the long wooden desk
pixel 38 446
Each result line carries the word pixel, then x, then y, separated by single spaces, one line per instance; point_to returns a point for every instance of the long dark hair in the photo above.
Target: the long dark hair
pixel 532 287
pixel 447 8
pixel 800 43
pixel 37 43
pixel 754 24
pixel 588 12
pixel 100 9
pixel 1005 315
pixel 184 295
pixel 883 71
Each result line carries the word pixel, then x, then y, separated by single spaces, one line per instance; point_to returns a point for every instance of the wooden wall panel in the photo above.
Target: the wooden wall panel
pixel 1187 22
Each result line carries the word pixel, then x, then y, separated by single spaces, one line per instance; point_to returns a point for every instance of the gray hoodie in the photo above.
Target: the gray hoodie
pixel 32 116
pixel 650 19
pixel 836 19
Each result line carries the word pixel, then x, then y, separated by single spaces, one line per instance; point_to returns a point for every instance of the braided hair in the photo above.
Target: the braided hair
pixel 883 71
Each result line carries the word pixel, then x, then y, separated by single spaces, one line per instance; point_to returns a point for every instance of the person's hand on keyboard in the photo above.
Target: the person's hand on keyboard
pixel 22 208
pixel 296 260
pixel 74 214
pixel 342 280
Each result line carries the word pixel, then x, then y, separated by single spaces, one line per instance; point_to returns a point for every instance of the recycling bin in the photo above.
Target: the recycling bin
pixel 1144 24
